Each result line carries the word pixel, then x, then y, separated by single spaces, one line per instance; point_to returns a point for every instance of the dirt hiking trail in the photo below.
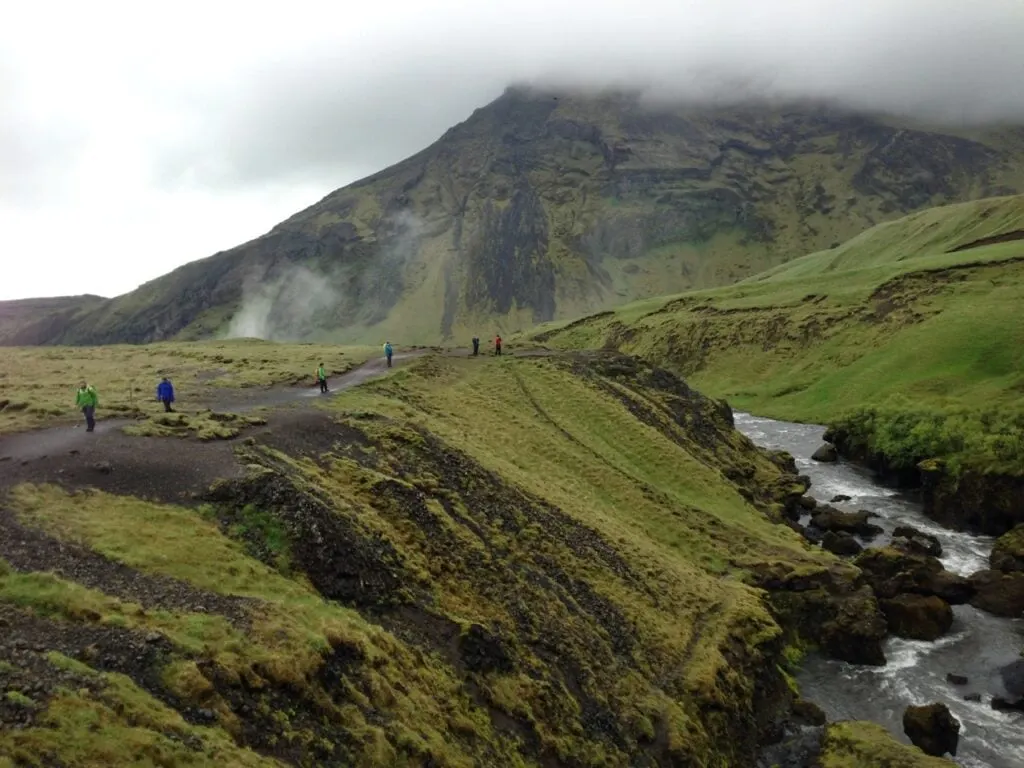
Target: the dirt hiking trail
pixel 50 441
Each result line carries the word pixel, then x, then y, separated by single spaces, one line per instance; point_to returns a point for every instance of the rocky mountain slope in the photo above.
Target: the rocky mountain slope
pixel 543 206
pixel 907 339
pixel 566 560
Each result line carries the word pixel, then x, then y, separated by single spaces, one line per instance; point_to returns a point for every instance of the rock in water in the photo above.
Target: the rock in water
pixel 891 572
pixel 917 617
pixel 956 679
pixel 932 728
pixel 999 593
pixel 841 544
pixel 1008 551
pixel 827 452
pixel 829 518
pixel 808 502
pixel 918 541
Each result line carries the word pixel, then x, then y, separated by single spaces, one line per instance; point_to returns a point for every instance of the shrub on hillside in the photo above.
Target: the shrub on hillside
pixel 902 435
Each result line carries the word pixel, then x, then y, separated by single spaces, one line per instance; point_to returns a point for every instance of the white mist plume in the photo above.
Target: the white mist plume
pixel 286 304
pixel 285 308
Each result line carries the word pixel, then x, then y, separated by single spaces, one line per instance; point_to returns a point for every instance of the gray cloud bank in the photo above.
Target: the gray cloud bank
pixel 326 93
pixel 375 100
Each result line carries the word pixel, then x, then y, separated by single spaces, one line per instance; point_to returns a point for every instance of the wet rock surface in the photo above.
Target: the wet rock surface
pixel 831 608
pixel 827 518
pixel 1008 551
pixel 910 539
pixel 841 543
pixel 891 572
pixel 826 453
pixel 998 592
pixel 917 617
pixel 932 728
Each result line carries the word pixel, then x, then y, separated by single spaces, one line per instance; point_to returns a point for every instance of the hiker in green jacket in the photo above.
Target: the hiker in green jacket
pixel 321 376
pixel 87 400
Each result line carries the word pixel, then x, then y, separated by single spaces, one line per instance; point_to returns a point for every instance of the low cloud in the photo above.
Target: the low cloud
pixel 103 129
pixel 367 103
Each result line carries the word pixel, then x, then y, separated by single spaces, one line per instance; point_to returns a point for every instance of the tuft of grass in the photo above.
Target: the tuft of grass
pixel 854 744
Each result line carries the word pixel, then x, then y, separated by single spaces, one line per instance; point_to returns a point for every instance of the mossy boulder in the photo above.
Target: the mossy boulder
pixel 917 617
pixel 910 539
pixel 828 518
pixel 1008 551
pixel 891 572
pixel 854 744
pixel 829 607
pixel 826 453
pixel 998 592
pixel 932 728
pixel 841 543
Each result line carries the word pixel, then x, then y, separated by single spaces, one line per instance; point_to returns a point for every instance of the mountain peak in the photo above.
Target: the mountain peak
pixel 548 204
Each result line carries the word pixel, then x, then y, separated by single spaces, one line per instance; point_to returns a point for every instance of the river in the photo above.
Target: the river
pixel 977 645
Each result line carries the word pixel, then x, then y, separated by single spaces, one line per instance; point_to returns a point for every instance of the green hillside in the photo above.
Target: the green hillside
pixel 533 561
pixel 545 206
pixel 908 337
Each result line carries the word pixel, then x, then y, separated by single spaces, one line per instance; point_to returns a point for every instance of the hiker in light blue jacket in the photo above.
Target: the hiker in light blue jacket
pixel 388 352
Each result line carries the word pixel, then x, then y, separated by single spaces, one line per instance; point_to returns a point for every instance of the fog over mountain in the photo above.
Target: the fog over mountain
pixel 195 128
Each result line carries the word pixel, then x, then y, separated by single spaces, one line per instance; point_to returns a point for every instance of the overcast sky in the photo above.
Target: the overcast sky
pixel 135 137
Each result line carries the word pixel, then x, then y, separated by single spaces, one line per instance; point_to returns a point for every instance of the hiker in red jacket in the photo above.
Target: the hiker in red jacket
pixel 497 344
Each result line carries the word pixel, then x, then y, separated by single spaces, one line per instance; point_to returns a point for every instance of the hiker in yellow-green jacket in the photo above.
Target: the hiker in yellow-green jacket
pixel 87 400
pixel 321 376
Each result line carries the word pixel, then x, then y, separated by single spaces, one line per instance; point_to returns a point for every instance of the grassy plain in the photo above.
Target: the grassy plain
pixel 38 384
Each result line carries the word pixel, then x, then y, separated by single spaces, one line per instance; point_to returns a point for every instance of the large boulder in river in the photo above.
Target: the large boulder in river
pixel 932 728
pixel 1008 551
pixel 841 543
pixel 999 593
pixel 916 541
pixel 827 453
pixel 828 518
pixel 856 630
pixel 891 572
pixel 829 607
pixel 917 617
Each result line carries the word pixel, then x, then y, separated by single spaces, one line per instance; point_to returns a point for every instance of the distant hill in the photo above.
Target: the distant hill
pixel 546 206
pixel 908 338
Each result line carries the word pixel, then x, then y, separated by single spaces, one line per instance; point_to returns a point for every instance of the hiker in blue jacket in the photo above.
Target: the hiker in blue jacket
pixel 165 394
pixel 388 352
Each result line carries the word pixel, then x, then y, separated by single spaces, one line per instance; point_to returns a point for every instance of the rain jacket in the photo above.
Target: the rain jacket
pixel 165 392
pixel 387 350
pixel 86 397
pixel 321 374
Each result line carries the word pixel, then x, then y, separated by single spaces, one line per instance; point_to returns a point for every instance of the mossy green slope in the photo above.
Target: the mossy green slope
pixel 909 335
pixel 544 206
pixel 471 562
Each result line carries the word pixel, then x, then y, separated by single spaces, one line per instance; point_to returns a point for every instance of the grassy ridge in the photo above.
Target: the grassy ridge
pixel 913 344
pixel 477 561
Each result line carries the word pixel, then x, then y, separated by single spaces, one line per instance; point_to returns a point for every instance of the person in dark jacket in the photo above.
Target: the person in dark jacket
pixel 476 346
pixel 165 394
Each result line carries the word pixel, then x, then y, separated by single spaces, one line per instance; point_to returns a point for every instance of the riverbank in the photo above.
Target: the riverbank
pixel 569 548
pixel 976 647
pixel 906 339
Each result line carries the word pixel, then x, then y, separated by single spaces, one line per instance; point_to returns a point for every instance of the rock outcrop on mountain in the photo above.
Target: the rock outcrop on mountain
pixel 544 206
